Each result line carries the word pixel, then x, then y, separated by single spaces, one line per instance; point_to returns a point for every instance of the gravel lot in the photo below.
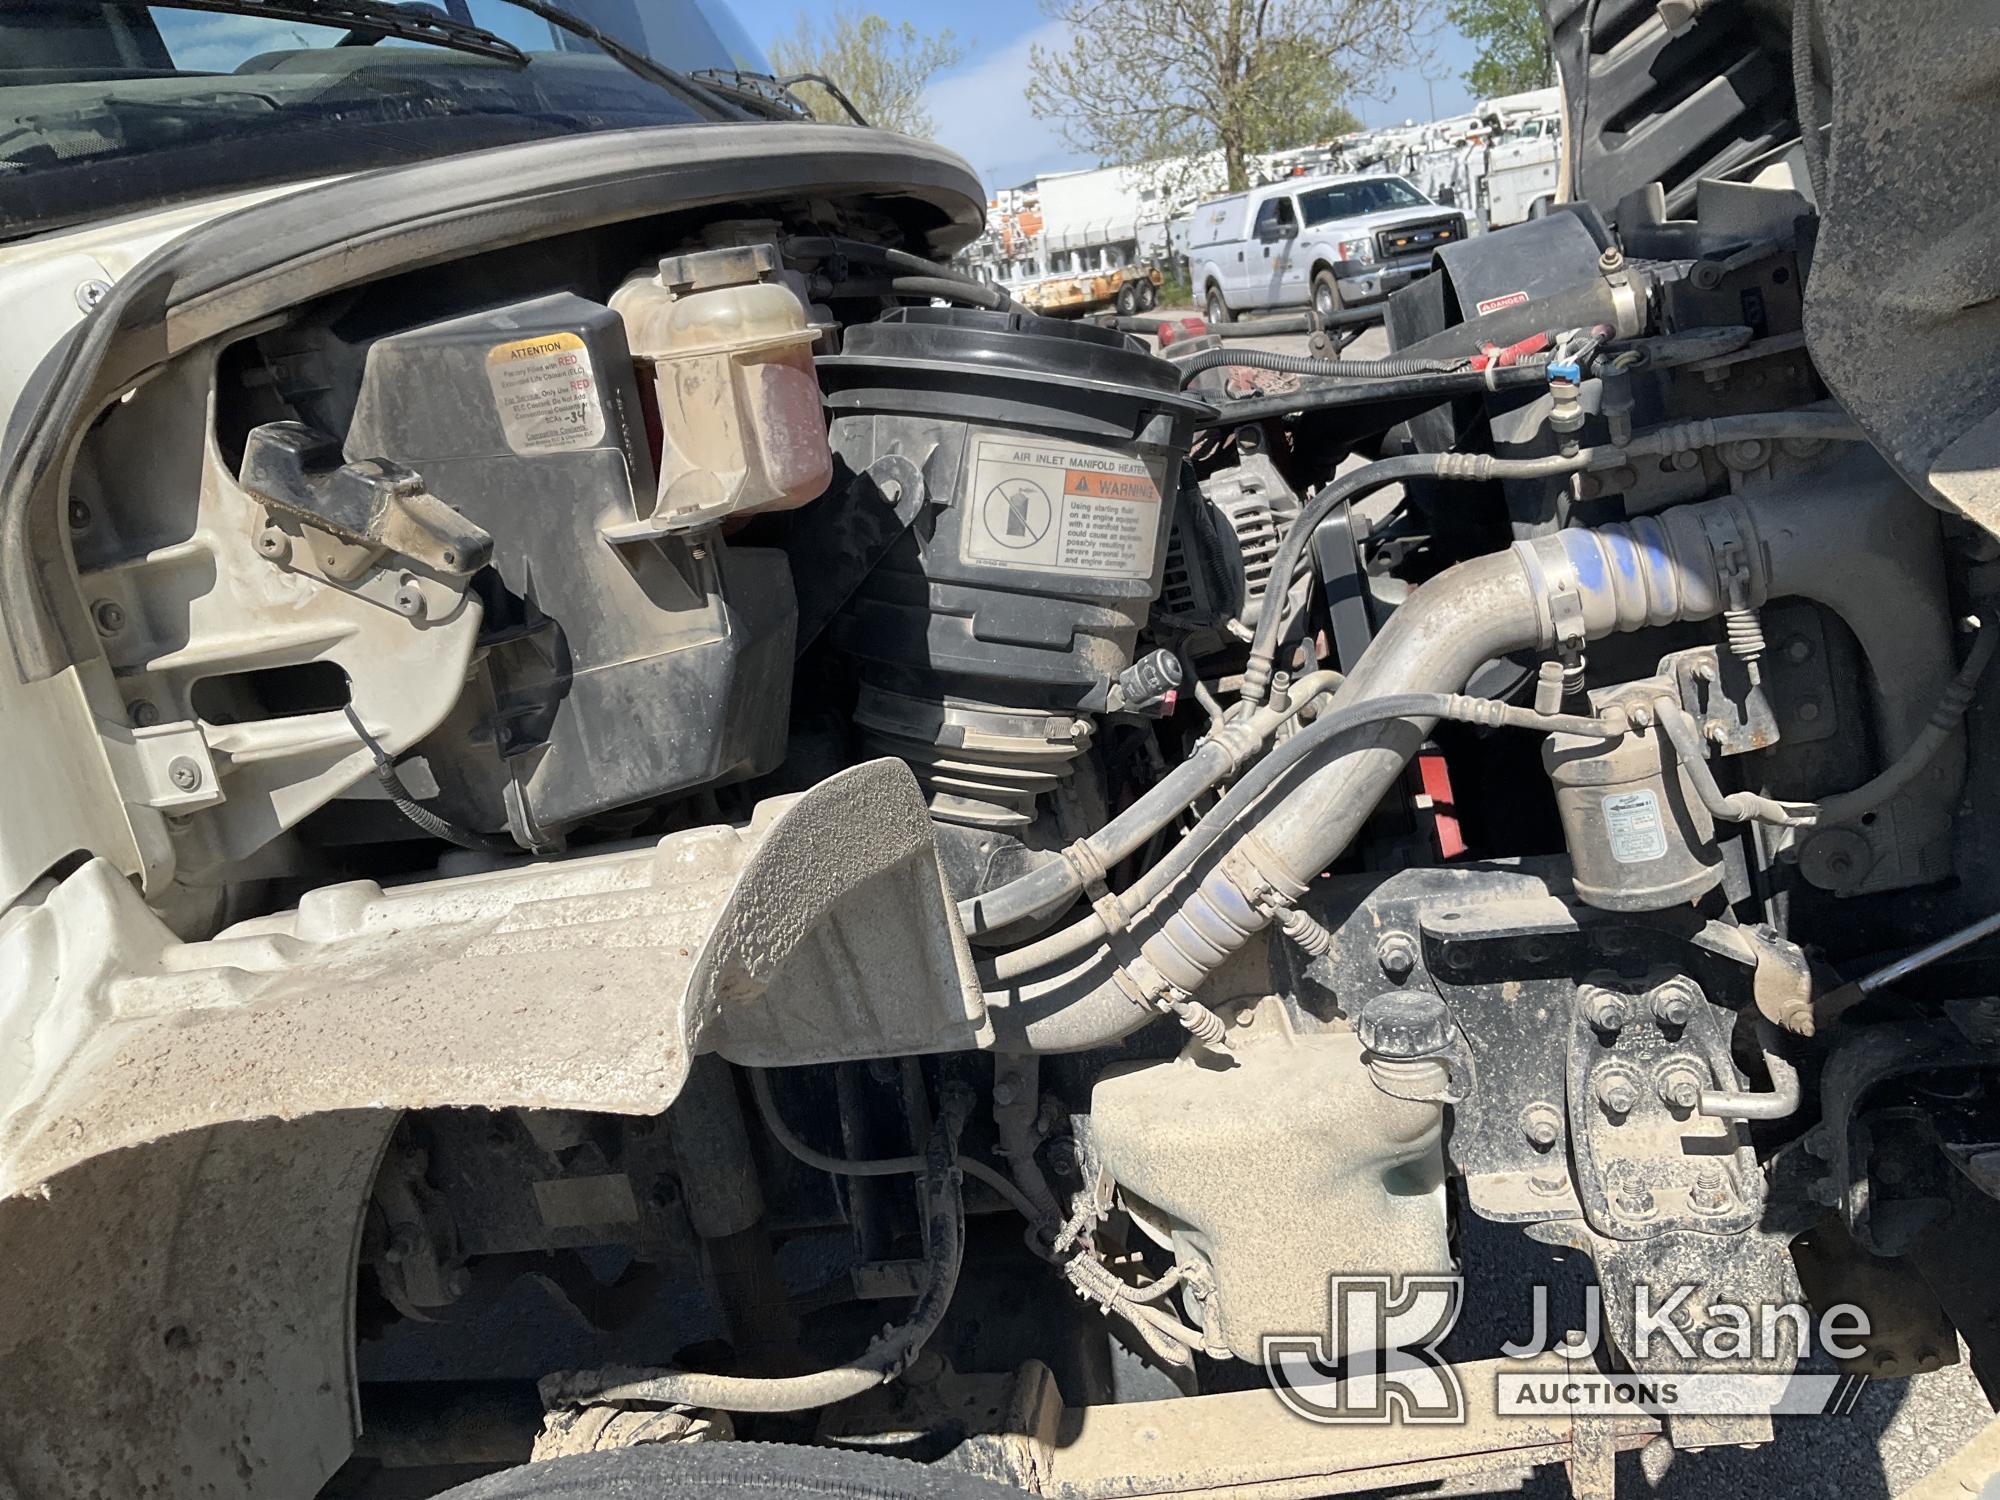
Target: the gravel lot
pixel 1897 1433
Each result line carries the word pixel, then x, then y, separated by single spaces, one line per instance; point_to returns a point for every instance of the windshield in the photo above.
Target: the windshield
pixel 107 108
pixel 1350 200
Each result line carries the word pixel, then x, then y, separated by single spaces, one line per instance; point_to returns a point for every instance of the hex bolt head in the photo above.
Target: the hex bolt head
pixel 109 616
pixel 1541 1124
pixel 1679 1081
pixel 184 773
pixel 1607 1010
pixel 1674 1002
pixel 1617 1092
pixel 1404 1024
pixel 1396 952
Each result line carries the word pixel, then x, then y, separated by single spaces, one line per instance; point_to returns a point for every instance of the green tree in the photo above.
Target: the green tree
pixel 1513 45
pixel 1171 82
pixel 884 69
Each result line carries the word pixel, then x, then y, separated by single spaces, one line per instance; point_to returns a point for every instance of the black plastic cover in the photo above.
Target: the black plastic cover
pixel 613 674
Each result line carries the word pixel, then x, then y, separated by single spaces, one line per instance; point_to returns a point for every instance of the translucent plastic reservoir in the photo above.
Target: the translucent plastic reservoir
pixel 739 402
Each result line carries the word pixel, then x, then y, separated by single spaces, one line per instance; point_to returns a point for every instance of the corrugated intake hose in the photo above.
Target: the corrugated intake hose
pixel 1874 561
pixel 886 1356
pixel 1220 753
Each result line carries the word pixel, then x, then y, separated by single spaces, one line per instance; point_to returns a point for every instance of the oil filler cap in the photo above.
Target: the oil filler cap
pixel 1404 1023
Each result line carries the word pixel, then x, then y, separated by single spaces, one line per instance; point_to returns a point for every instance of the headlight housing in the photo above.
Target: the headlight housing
pixel 1361 250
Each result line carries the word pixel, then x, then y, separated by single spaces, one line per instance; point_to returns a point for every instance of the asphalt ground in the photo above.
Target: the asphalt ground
pixel 1898 1432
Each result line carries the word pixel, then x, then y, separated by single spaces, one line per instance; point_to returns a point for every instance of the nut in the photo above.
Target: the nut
pixel 1679 1082
pixel 1674 1002
pixel 1617 1091
pixel 1635 1203
pixel 1541 1123
pixel 1608 1010
pixel 1710 1193
pixel 184 773
pixel 1396 952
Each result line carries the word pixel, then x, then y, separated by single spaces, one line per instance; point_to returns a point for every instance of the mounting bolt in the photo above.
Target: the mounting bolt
pixel 142 714
pixel 1635 1203
pixel 1618 1092
pixel 109 615
pixel 1710 1193
pixel 184 773
pixel 92 292
pixel 1607 1010
pixel 1541 1123
pixel 1678 1082
pixel 1798 648
pixel 79 515
pixel 410 599
pixel 1808 711
pixel 1716 731
pixel 1674 1002
pixel 1396 952
pixel 1549 1184
pixel 274 544
pixel 1611 259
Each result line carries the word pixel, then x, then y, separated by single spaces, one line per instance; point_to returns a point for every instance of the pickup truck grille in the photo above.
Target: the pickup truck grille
pixel 1418 239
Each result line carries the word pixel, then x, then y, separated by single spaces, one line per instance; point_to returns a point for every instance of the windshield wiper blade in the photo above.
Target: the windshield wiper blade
pixel 764 89
pixel 376 16
pixel 632 58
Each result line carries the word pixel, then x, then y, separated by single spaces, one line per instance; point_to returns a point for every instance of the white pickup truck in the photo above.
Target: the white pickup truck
pixel 1330 242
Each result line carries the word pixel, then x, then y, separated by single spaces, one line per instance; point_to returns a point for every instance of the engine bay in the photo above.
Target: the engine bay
pixel 995 857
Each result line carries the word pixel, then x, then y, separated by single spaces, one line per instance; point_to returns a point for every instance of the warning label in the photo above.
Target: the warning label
pixel 1632 823
pixel 546 393
pixel 1060 508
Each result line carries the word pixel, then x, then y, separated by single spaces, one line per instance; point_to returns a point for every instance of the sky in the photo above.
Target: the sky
pixel 979 109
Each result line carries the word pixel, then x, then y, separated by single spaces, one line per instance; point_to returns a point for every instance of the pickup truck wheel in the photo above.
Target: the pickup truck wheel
pixel 1149 296
pixel 1214 308
pixel 754 1471
pixel 1128 300
pixel 1326 293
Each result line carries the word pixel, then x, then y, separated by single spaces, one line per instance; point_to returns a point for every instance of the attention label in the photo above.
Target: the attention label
pixel 546 393
pixel 1060 508
pixel 1632 823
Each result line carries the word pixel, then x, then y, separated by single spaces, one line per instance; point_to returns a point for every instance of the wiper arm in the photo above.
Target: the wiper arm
pixel 763 89
pixel 377 16
pixel 632 58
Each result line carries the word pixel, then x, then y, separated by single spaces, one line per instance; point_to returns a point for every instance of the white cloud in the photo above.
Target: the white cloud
pixel 982 113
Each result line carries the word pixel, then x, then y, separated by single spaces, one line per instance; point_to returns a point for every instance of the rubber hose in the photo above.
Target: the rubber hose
pixel 1264 775
pixel 1333 369
pixel 1125 835
pixel 1374 392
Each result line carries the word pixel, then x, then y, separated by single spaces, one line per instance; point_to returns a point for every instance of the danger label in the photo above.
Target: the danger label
pixel 546 393
pixel 1495 304
pixel 1060 508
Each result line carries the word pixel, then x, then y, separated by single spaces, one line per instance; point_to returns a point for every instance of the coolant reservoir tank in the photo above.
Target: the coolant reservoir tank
pixel 731 357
